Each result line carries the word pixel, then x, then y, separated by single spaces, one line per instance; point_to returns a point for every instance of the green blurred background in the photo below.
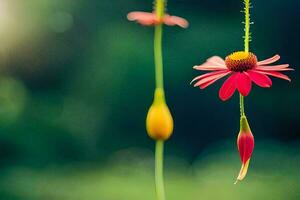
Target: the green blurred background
pixel 77 79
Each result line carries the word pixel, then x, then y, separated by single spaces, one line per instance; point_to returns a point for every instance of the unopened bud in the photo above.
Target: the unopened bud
pixel 159 122
pixel 245 144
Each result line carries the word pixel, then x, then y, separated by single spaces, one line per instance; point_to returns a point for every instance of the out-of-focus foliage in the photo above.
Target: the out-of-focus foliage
pixel 77 80
pixel 129 175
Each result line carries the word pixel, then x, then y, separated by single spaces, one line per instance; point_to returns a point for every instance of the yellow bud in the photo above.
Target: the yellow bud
pixel 159 122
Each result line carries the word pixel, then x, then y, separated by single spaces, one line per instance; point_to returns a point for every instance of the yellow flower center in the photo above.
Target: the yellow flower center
pixel 241 61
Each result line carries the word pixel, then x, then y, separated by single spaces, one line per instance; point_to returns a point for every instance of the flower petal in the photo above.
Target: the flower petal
pixel 269 60
pixel 283 67
pixel 259 79
pixel 205 85
pixel 228 87
pixel 174 20
pixel 205 67
pixel 216 60
pixel 243 172
pixel 243 83
pixel 267 69
pixel 213 63
pixel 275 74
pixel 211 78
pixel 144 18
pixel 208 74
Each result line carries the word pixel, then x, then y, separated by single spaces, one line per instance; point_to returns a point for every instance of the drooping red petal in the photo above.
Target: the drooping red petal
pixel 209 74
pixel 174 20
pixel 243 83
pixel 144 18
pixel 228 88
pixel 210 79
pixel 259 79
pixel 205 85
pixel 275 74
pixel 269 60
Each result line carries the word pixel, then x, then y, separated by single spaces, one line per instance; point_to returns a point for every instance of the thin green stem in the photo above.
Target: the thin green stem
pixel 247 25
pixel 246 44
pixel 158 57
pixel 159 180
pixel 159 80
pixel 242 109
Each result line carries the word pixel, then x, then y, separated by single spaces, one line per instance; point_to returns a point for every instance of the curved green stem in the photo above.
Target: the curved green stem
pixel 159 181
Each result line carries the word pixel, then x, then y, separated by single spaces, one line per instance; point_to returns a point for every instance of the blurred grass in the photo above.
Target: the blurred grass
pixel 129 176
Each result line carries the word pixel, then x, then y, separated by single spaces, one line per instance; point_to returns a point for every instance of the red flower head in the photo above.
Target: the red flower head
pixel 245 144
pixel 243 69
pixel 151 19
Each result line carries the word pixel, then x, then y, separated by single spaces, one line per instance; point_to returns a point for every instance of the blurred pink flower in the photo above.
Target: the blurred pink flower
pixel 243 69
pixel 150 19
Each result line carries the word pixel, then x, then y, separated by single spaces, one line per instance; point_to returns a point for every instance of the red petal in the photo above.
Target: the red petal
pixel 244 84
pixel 276 74
pixel 174 20
pixel 205 85
pixel 259 78
pixel 228 87
pixel 269 60
pixel 208 74
pixel 210 79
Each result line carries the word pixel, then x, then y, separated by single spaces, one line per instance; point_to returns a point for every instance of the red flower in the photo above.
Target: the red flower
pixel 150 19
pixel 245 144
pixel 243 69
